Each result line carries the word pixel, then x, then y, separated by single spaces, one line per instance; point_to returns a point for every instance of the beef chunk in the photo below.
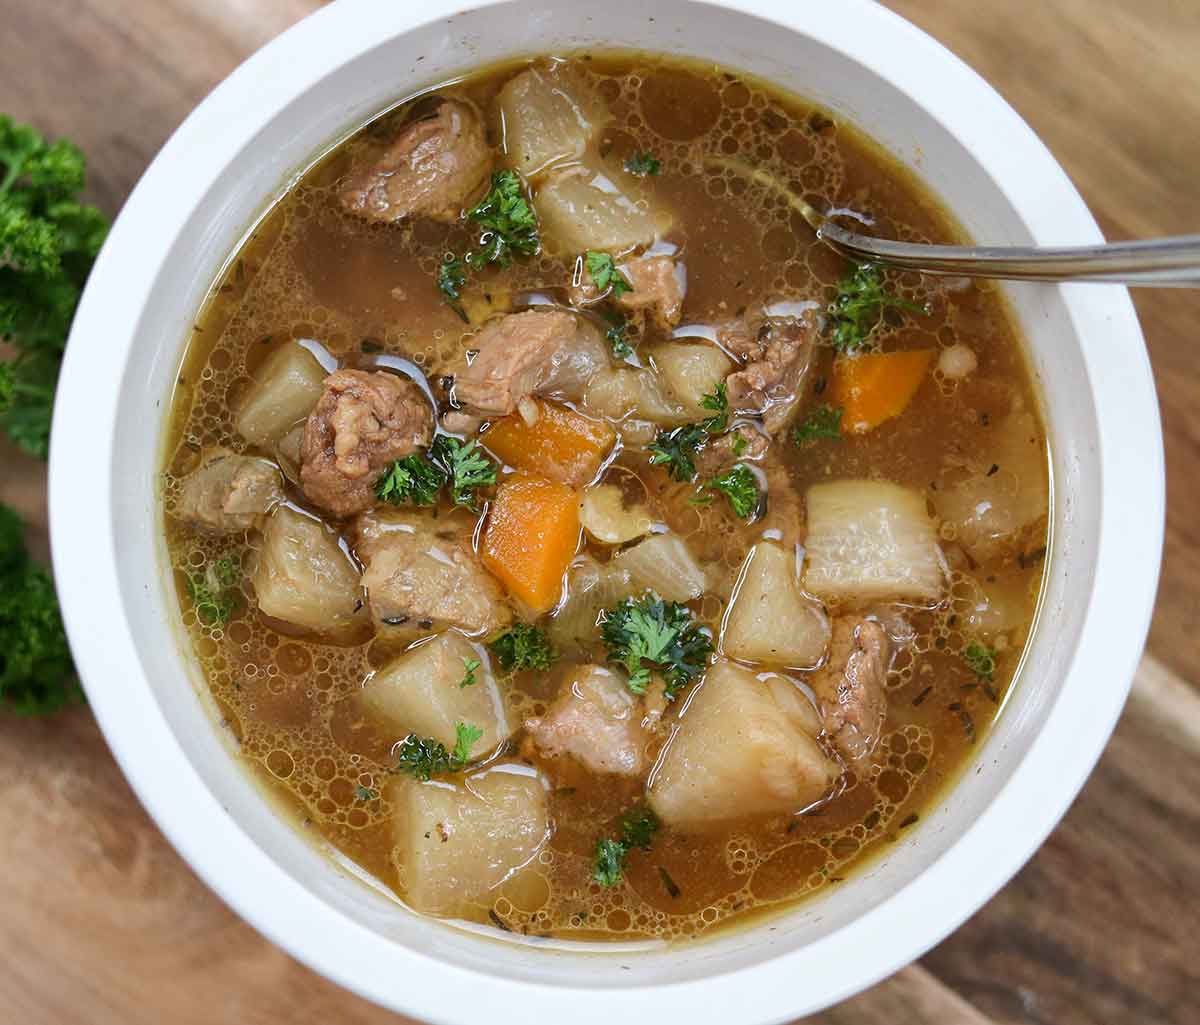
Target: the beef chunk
pixel 850 688
pixel 360 425
pixel 658 287
pixel 778 355
pixel 432 169
pixel 229 493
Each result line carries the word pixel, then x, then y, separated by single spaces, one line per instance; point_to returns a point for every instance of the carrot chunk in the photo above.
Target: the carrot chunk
pixel 561 445
pixel 531 536
pixel 877 386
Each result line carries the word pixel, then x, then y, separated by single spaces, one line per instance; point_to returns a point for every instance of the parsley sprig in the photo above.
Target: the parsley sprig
pixel 451 277
pixel 647 633
pixel 981 660
pixel 642 164
pixel 858 308
pixel 605 273
pixel 523 646
pixel 460 465
pixel 469 665
pixel 424 757
pixel 739 485
pixel 676 449
pixel 637 831
pixel 822 422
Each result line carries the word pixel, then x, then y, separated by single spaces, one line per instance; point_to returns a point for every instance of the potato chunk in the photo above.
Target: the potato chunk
pixel 742 749
pixel 691 371
pixel 582 208
pixel 663 563
pixel 769 620
pixel 548 118
pixel 284 390
pixel 871 541
pixel 629 392
pixel 421 692
pixel 304 577
pixel 456 842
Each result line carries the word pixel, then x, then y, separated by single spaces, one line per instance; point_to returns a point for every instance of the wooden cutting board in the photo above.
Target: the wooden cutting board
pixel 100 921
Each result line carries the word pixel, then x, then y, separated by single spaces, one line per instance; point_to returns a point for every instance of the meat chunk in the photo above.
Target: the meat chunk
pixel 538 352
pixel 658 286
pixel 360 425
pixel 778 356
pixel 432 169
pixel 421 575
pixel 597 721
pixel 741 445
pixel 850 688
pixel 229 493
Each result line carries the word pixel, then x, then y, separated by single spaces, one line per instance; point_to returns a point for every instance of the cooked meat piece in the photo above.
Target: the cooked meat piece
pixel 432 169
pixel 538 352
pixel 658 284
pixel 743 339
pixel 458 422
pixel 421 574
pixel 741 445
pixel 229 492
pixel 362 423
pixel 596 720
pixel 850 688
pixel 772 382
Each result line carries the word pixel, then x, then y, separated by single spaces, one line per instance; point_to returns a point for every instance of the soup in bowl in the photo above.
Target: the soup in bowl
pixel 570 557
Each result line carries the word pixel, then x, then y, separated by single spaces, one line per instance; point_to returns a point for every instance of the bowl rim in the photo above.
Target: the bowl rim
pixel 921 913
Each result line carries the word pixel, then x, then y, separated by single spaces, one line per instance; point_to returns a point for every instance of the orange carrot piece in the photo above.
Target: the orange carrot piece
pixel 531 536
pixel 877 386
pixel 562 445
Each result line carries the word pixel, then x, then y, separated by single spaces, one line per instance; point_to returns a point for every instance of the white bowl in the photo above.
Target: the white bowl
pixel 239 148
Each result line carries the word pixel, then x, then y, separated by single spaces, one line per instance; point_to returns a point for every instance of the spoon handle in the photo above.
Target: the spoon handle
pixel 1165 262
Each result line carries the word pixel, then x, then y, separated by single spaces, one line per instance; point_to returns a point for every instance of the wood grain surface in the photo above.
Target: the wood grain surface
pixel 100 921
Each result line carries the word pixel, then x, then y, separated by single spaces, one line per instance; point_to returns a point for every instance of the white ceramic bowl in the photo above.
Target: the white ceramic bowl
pixel 215 175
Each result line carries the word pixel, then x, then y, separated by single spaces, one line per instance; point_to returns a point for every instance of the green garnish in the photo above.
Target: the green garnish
pixel 411 479
pixel 464 466
pixel 470 665
pixel 642 164
pixel 650 630
pixel 637 831
pixel 210 592
pixel 859 306
pixel 822 422
pixel 48 242
pixel 424 757
pixel 718 402
pixel 605 273
pixel 523 646
pixel 451 277
pixel 36 673
pixel 739 485
pixel 509 220
pixel 676 449
pixel 981 660
pixel 365 793
pixel 617 336
pixel 739 444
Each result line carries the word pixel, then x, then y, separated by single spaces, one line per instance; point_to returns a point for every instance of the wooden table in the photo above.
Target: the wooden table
pixel 101 922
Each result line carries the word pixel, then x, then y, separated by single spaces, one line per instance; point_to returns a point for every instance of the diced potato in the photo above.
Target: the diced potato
pixel 420 692
pixel 691 370
pixel 605 517
pixel 456 842
pixel 871 541
pixel 991 509
pixel 769 620
pixel 284 390
pixel 548 118
pixel 664 564
pixel 630 392
pixel 591 587
pixel 582 208
pixel 303 576
pixel 743 749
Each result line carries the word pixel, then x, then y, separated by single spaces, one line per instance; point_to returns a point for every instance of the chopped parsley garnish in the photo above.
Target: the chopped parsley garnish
pixel 859 306
pixel 637 831
pixel 718 402
pixel 642 164
pixel 470 665
pixel 424 757
pixel 618 337
pixel 211 592
pixel 650 633
pixel 739 485
pixel 451 277
pixel 365 793
pixel 676 449
pixel 523 646
pixel 509 220
pixel 411 479
pixel 605 273
pixel 822 422
pixel 981 660
pixel 740 444
pixel 464 466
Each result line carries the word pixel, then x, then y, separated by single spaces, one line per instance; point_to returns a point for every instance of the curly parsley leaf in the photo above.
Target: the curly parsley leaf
pixel 424 757
pixel 451 277
pixel 212 591
pixel 411 479
pixel 464 466
pixel 642 164
pixel 739 485
pixel 605 273
pixel 649 633
pixel 718 401
pixel 509 220
pixel 637 831
pixel 469 665
pixel 822 422
pixel 858 308
pixel 523 646
pixel 618 336
pixel 676 449
pixel 981 660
